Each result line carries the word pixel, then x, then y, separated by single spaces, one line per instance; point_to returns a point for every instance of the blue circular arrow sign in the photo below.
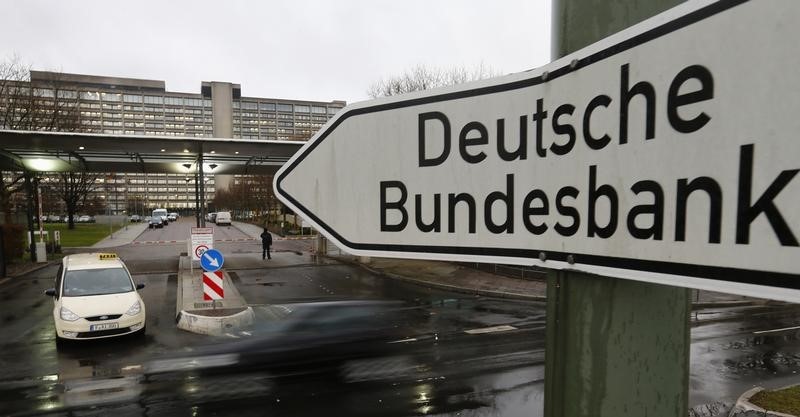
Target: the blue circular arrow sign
pixel 211 260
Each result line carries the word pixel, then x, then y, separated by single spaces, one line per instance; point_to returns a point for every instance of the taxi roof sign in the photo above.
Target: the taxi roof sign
pixel 104 256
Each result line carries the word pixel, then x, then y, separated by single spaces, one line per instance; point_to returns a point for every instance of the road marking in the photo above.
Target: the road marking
pixel 412 339
pixel 777 330
pixel 494 329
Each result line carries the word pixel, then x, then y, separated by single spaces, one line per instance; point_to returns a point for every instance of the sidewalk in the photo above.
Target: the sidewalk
pixel 255 232
pixel 249 229
pixel 123 236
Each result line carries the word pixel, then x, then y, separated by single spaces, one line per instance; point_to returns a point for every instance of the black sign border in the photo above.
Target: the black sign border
pixel 736 275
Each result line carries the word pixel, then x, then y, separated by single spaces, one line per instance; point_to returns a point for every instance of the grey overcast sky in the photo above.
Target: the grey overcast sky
pixel 299 49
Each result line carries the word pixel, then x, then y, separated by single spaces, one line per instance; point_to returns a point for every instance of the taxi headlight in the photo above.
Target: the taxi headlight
pixel 68 315
pixel 135 309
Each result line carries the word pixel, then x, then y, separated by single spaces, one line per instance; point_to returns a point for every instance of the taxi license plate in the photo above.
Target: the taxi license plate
pixel 106 326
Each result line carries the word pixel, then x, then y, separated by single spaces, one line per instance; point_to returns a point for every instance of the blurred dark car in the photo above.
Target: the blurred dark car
pixel 316 338
pixel 156 222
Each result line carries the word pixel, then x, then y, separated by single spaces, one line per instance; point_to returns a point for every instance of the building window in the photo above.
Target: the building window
pixel 301 108
pixel 90 95
pixel 285 107
pixel 67 94
pixel 249 105
pixel 153 100
pixel 266 106
pixel 43 92
pixel 173 101
pixel 318 110
pixel 111 96
pixel 198 102
pixel 131 98
pixel 333 110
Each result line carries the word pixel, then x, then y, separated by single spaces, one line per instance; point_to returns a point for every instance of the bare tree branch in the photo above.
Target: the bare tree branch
pixel 424 78
pixel 43 104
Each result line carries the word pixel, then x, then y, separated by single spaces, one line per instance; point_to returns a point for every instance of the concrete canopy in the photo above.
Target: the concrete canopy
pixel 66 151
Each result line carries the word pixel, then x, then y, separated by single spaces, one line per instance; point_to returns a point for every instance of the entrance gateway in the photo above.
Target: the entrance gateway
pixel 666 153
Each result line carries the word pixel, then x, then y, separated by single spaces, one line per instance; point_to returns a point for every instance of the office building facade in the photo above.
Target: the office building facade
pixel 127 106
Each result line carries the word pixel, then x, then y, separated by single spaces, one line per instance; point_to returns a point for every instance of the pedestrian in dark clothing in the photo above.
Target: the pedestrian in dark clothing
pixel 266 242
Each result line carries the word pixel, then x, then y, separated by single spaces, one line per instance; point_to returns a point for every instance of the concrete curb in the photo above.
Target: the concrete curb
pixel 744 408
pixel 710 304
pixel 448 287
pixel 501 294
pixel 208 321
pixel 214 325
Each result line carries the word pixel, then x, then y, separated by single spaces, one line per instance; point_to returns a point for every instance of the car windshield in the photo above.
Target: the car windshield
pixel 96 282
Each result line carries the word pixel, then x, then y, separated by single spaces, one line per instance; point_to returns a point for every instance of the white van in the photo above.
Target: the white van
pixel 161 213
pixel 223 218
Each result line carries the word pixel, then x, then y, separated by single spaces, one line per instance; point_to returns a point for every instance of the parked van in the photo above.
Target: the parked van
pixel 223 218
pixel 161 213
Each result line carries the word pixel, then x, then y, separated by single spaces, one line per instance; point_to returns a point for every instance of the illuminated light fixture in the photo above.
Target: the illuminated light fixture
pixel 43 165
pixel 185 151
pixel 237 152
pixel 163 150
pixel 213 151
pixel 80 148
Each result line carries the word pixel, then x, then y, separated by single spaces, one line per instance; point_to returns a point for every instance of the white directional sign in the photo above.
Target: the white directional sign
pixel 202 239
pixel 666 153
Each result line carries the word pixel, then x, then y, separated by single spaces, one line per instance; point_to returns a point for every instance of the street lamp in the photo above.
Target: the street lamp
pixel 125 208
pixel 205 192
pixel 187 195
pixel 188 168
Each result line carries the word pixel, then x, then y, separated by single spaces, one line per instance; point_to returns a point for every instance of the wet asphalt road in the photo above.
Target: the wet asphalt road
pixel 447 371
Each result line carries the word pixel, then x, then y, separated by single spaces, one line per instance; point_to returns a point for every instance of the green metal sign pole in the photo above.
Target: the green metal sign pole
pixel 615 348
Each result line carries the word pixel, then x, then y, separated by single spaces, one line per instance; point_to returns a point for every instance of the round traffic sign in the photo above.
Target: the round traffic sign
pixel 211 260
pixel 200 250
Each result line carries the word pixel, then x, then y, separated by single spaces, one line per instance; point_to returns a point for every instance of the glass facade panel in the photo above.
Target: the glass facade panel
pixel 90 95
pixel 43 92
pixel 67 94
pixel 153 100
pixel 300 108
pixel 285 107
pixel 111 96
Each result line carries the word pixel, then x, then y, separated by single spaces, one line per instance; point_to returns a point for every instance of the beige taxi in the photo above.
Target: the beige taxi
pixel 95 297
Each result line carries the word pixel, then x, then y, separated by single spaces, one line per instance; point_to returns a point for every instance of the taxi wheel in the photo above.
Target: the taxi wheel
pixel 141 333
pixel 60 342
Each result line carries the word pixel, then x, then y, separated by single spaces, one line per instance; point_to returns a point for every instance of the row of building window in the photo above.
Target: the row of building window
pixel 283 107
pixel 237 115
pixel 136 98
